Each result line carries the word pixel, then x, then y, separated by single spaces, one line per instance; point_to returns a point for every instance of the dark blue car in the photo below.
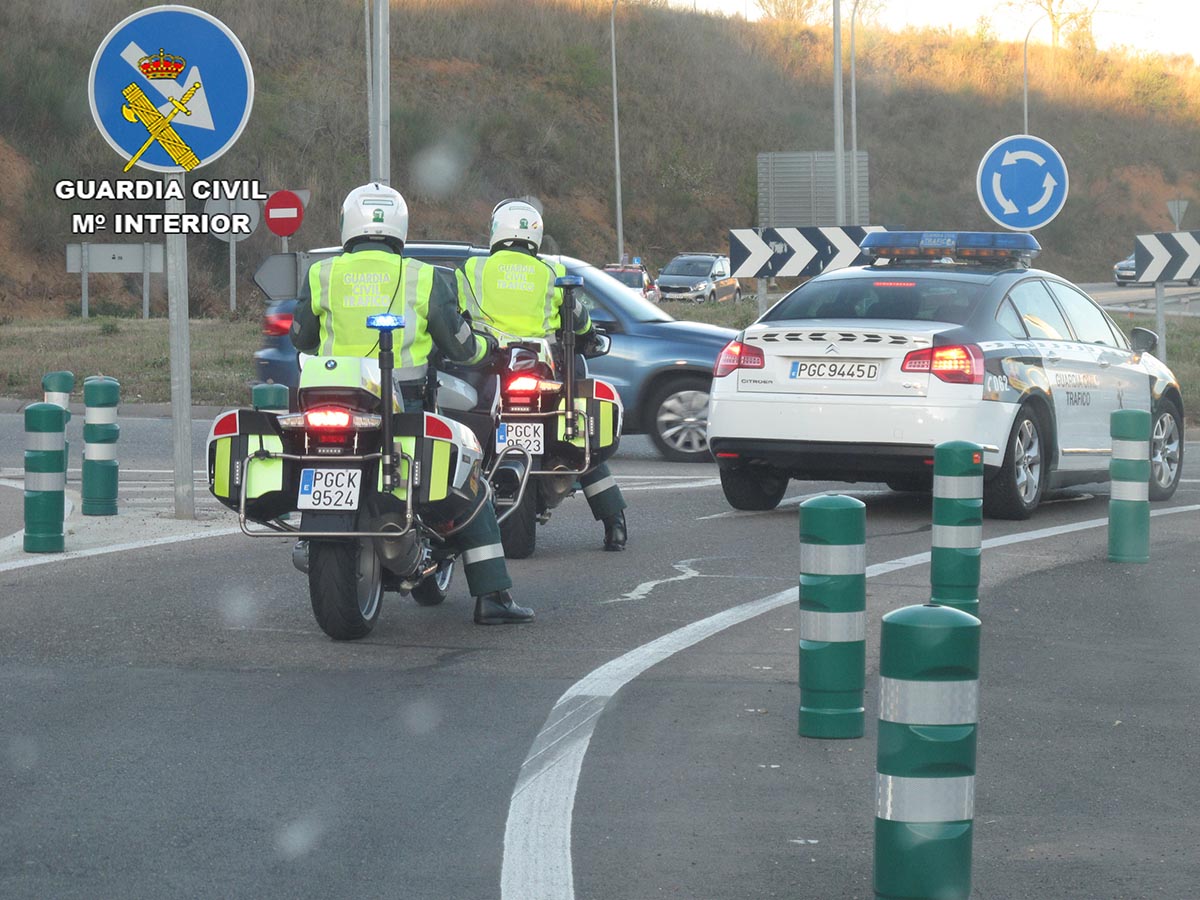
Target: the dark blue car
pixel 662 368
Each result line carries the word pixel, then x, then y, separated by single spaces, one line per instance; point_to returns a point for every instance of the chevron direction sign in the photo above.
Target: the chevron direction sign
pixel 790 252
pixel 1170 256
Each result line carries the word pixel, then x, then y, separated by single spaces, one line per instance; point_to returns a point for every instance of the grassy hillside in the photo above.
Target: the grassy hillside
pixel 500 99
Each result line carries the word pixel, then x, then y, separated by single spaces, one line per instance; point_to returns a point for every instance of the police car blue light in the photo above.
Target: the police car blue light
pixel 955 244
pixel 385 322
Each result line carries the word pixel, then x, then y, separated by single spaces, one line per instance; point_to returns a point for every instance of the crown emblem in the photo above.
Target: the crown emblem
pixel 162 66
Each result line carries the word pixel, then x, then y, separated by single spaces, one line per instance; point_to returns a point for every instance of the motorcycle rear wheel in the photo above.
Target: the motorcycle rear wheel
pixel 345 587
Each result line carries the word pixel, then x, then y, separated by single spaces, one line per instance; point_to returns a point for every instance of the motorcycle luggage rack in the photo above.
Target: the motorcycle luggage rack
pixel 276 528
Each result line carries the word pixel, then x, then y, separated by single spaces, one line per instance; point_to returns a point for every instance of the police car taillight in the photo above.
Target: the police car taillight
pixel 737 355
pixel 956 364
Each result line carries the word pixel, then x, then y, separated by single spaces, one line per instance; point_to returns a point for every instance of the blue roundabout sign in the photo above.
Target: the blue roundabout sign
pixel 1022 182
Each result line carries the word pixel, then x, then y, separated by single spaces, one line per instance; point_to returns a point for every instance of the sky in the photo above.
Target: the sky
pixel 1162 26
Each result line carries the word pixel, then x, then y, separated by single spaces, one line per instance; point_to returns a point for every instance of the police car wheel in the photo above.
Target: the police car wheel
pixel 345 587
pixel 753 488
pixel 1016 490
pixel 1166 450
pixel 433 589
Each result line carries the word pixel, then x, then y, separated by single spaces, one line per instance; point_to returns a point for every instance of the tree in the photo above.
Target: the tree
pixel 793 10
pixel 1064 15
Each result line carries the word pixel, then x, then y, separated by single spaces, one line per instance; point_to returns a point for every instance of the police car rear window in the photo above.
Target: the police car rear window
pixel 903 297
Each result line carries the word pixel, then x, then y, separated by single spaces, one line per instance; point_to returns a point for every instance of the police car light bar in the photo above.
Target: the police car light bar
pixel 953 244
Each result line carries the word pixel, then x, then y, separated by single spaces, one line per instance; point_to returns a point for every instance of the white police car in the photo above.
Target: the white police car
pixel 857 374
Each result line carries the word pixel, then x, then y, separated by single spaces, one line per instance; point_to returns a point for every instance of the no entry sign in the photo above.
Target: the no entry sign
pixel 285 212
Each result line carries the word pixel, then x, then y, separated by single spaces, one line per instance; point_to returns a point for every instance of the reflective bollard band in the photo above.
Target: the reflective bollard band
pixel 925 761
pixel 1129 501
pixel 833 618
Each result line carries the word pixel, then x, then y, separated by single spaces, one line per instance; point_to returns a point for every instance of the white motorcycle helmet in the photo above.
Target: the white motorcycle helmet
pixel 518 222
pixel 374 211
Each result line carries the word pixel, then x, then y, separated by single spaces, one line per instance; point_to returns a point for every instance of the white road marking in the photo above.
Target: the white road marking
pixel 69 555
pixel 647 586
pixel 677 486
pixel 537 835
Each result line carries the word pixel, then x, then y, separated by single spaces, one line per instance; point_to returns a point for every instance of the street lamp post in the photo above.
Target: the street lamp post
pixel 853 121
pixel 1027 34
pixel 617 136
pixel 839 134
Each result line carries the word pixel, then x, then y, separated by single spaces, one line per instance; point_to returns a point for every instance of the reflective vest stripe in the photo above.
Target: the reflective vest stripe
pixel 833 559
pixel 409 299
pixel 548 310
pixel 322 301
pixel 1130 490
pixel 832 626
pixel 928 702
pixel 900 799
pixel 958 487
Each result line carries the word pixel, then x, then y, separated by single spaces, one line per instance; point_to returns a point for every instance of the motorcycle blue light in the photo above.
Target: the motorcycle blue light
pixel 385 322
pixel 568 281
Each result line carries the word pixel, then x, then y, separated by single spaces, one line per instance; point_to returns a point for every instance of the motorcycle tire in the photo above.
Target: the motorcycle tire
pixel 345 587
pixel 518 533
pixel 433 589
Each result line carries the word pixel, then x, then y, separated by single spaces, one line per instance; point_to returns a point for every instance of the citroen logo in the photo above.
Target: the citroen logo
pixel 831 348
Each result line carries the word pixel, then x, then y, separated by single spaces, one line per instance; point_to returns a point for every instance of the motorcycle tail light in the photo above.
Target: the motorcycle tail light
pixel 327 418
pixel 604 391
pixel 226 425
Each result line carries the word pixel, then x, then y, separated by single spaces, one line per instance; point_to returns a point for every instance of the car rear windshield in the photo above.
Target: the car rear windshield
pixel 631 277
pixel 688 266
pixel 881 296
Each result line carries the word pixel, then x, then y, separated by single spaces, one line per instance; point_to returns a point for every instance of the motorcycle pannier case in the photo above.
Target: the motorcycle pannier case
pixel 598 419
pixel 447 459
pixel 271 484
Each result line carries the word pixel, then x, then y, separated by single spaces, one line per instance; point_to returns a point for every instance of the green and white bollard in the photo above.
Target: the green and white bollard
pixel 57 388
pixel 100 432
pixel 833 618
pixel 45 477
pixel 1129 503
pixel 957 525
pixel 925 764
pixel 270 397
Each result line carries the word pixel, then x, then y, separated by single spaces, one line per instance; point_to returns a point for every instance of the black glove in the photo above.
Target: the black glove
pixel 586 344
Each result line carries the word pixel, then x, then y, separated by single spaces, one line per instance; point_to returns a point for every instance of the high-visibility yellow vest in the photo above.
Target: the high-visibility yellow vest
pixel 514 293
pixel 348 288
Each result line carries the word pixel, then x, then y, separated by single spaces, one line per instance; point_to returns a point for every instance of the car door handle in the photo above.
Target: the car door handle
pixel 1104 364
pixel 1053 359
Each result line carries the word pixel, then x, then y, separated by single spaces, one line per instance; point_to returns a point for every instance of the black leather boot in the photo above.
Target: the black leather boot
pixel 615 533
pixel 498 608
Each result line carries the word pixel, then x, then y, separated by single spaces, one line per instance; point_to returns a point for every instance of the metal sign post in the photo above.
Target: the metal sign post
pixel 232 207
pixel 181 361
pixel 380 99
pixel 87 259
pixel 83 268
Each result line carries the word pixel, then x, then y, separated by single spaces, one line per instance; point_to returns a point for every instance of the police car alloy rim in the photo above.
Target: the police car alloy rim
pixel 1027 458
pixel 1164 450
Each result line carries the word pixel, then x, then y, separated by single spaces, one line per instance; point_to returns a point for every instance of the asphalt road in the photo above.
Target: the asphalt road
pixel 177 726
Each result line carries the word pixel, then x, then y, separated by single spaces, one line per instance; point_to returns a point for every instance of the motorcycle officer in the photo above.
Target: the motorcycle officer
pixel 372 277
pixel 512 290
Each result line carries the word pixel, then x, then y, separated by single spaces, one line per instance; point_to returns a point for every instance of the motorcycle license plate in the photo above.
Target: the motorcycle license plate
pixel 520 434
pixel 329 489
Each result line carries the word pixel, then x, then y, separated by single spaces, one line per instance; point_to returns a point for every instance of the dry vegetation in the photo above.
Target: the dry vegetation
pixel 491 100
